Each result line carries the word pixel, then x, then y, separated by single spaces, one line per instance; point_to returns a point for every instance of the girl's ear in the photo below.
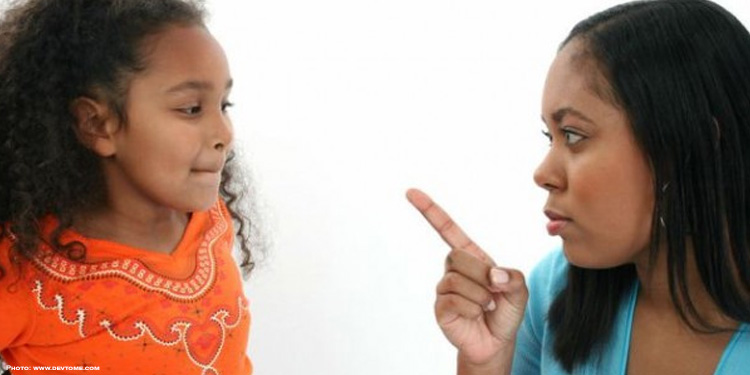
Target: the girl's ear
pixel 95 125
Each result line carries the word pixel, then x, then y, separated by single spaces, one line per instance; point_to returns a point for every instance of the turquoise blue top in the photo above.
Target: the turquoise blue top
pixel 534 348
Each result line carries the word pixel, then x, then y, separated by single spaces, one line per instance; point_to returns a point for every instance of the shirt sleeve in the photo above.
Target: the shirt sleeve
pixel 16 317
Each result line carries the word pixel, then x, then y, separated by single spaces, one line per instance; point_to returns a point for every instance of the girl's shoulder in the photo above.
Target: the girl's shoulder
pixel 12 265
pixel 16 299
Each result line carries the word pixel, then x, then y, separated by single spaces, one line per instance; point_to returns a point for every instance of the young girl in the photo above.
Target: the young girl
pixel 647 107
pixel 115 197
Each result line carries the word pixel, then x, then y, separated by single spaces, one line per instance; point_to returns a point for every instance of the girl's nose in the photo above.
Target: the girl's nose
pixel 223 133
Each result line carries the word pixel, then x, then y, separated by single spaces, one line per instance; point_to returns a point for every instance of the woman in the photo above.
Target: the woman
pixel 647 107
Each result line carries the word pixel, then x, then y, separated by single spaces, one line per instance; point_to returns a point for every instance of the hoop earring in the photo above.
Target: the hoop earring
pixel 663 190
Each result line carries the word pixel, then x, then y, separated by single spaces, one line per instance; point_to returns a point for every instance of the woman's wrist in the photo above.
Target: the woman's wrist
pixel 499 364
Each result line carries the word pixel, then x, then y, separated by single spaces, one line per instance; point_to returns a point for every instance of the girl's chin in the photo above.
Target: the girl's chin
pixel 198 205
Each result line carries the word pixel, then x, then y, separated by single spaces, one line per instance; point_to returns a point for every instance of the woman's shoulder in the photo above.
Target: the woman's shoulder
pixel 545 281
pixel 736 359
pixel 549 275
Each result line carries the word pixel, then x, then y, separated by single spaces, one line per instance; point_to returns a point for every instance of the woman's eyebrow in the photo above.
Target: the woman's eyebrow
pixel 560 114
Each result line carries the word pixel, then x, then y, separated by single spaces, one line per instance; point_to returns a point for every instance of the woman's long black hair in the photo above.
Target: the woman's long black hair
pixel 52 52
pixel 680 70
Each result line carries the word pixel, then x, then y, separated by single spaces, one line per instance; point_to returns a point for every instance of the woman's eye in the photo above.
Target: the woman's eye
pixel 571 137
pixel 547 135
pixel 226 105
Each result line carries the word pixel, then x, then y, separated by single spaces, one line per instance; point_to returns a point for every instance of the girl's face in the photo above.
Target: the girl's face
pixel 599 182
pixel 171 151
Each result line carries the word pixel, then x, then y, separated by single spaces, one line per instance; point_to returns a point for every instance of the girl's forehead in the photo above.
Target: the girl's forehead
pixel 184 51
pixel 179 41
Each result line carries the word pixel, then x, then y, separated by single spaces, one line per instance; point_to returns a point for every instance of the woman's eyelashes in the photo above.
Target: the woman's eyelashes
pixel 572 137
pixel 225 105
pixel 547 135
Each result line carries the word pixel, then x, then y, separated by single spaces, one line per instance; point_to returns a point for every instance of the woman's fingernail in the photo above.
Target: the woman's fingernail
pixel 498 277
pixel 490 306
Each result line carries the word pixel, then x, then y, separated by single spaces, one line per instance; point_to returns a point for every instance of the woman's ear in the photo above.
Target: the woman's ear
pixel 95 125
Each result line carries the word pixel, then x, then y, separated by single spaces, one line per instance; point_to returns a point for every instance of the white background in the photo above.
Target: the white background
pixel 341 105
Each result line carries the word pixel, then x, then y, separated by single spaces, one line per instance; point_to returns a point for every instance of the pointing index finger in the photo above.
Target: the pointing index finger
pixel 450 232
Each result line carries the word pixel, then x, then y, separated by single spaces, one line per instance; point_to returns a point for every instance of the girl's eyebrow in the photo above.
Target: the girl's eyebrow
pixel 197 86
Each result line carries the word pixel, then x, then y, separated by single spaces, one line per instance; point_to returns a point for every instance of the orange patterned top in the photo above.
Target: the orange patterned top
pixel 128 310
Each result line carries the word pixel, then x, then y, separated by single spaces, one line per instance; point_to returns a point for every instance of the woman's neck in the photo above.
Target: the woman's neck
pixel 654 293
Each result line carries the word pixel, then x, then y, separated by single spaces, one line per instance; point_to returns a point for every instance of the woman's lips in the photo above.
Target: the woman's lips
pixel 556 222
pixel 554 227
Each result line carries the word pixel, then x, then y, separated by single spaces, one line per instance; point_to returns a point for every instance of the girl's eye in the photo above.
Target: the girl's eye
pixel 226 105
pixel 191 111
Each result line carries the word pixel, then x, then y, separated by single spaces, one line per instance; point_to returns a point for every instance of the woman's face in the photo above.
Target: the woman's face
pixel 599 182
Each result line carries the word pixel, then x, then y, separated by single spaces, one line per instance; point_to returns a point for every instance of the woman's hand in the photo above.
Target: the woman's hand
pixel 479 306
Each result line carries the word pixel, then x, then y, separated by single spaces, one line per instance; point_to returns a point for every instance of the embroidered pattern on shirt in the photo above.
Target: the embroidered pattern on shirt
pixel 133 270
pixel 192 336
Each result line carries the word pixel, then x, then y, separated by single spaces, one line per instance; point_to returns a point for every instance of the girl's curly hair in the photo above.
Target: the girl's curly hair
pixel 52 52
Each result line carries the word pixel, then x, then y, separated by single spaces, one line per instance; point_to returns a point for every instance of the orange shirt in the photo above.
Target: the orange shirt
pixel 128 310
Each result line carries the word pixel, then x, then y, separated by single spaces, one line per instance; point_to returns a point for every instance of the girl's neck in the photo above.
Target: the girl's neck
pixel 155 230
pixel 655 296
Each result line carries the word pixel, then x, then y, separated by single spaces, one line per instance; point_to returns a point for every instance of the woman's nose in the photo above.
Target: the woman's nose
pixel 549 175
